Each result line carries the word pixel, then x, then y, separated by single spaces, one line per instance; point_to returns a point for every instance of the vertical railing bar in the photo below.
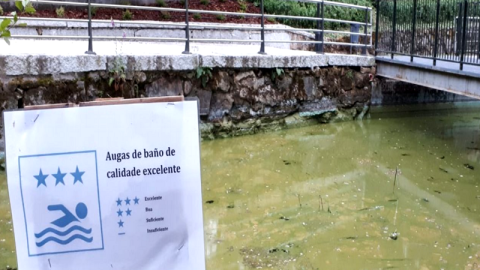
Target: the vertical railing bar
pixel 371 29
pixel 322 37
pixel 394 26
pixel 478 29
pixel 458 32
pixel 414 27
pixel 435 47
pixel 364 49
pixel 187 29
pixel 262 46
pixel 90 35
pixel 464 34
pixel 317 34
pixel 377 27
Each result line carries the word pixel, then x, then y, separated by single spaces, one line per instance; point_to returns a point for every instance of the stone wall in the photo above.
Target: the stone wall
pixel 232 102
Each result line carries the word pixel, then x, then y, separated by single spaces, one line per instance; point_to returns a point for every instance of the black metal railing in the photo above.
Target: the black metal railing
pixel 319 31
pixel 440 30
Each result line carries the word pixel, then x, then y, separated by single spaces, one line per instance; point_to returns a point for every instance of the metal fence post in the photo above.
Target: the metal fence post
pixel 90 35
pixel 187 30
pixel 459 27
pixel 394 28
pixel 364 49
pixel 320 26
pixel 464 33
pixel 414 28
pixel 435 48
pixel 377 27
pixel 262 34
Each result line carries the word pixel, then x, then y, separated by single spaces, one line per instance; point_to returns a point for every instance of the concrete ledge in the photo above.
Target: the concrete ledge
pixel 44 57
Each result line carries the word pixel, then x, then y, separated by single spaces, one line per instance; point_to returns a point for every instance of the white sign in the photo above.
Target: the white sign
pixel 107 187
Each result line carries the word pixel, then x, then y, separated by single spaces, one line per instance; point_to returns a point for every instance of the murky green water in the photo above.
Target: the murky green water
pixel 323 197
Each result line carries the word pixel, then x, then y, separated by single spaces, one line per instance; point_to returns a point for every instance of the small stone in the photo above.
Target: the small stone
pixel 140 77
pixel 187 87
pixel 222 81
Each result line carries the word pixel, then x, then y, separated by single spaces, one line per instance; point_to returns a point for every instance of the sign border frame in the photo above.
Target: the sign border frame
pixel 23 204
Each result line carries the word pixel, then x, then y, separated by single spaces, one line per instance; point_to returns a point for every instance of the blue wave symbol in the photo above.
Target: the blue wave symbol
pixel 59 233
pixel 64 242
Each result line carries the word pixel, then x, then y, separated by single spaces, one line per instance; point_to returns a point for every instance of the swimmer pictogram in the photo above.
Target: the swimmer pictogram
pixel 74 232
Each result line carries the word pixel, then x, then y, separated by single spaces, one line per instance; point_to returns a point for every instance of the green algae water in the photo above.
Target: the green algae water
pixel 396 191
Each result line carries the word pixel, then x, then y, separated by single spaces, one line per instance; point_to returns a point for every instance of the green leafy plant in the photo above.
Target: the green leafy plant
pixel 117 74
pixel 349 74
pixel 182 2
pixel 221 17
pixel 60 12
pixel 94 10
pixel 277 72
pixel 1 11
pixel 161 3
pixel 243 5
pixel 197 16
pixel 165 15
pixel 270 19
pixel 205 74
pixel 127 15
pixel 205 2
pixel 29 9
pixel 6 24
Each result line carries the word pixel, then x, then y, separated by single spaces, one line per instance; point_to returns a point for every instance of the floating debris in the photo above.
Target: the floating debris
pixel 395 179
pixel 285 218
pixel 406 155
pixel 351 237
pixel 436 191
pixel 273 250
pixel 442 157
pixel 286 162
pixel 425 200
pixel 473 148
pixel 231 206
pixel 443 170
pixel 393 200
pixel 378 207
pixel 210 202
pixel 468 166
pixel 394 235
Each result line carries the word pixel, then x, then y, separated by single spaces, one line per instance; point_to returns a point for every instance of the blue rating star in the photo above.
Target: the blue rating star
pixel 119 212
pixel 119 202
pixel 78 176
pixel 129 212
pixel 41 178
pixel 59 176
pixel 120 223
pixel 127 201
pixel 136 200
